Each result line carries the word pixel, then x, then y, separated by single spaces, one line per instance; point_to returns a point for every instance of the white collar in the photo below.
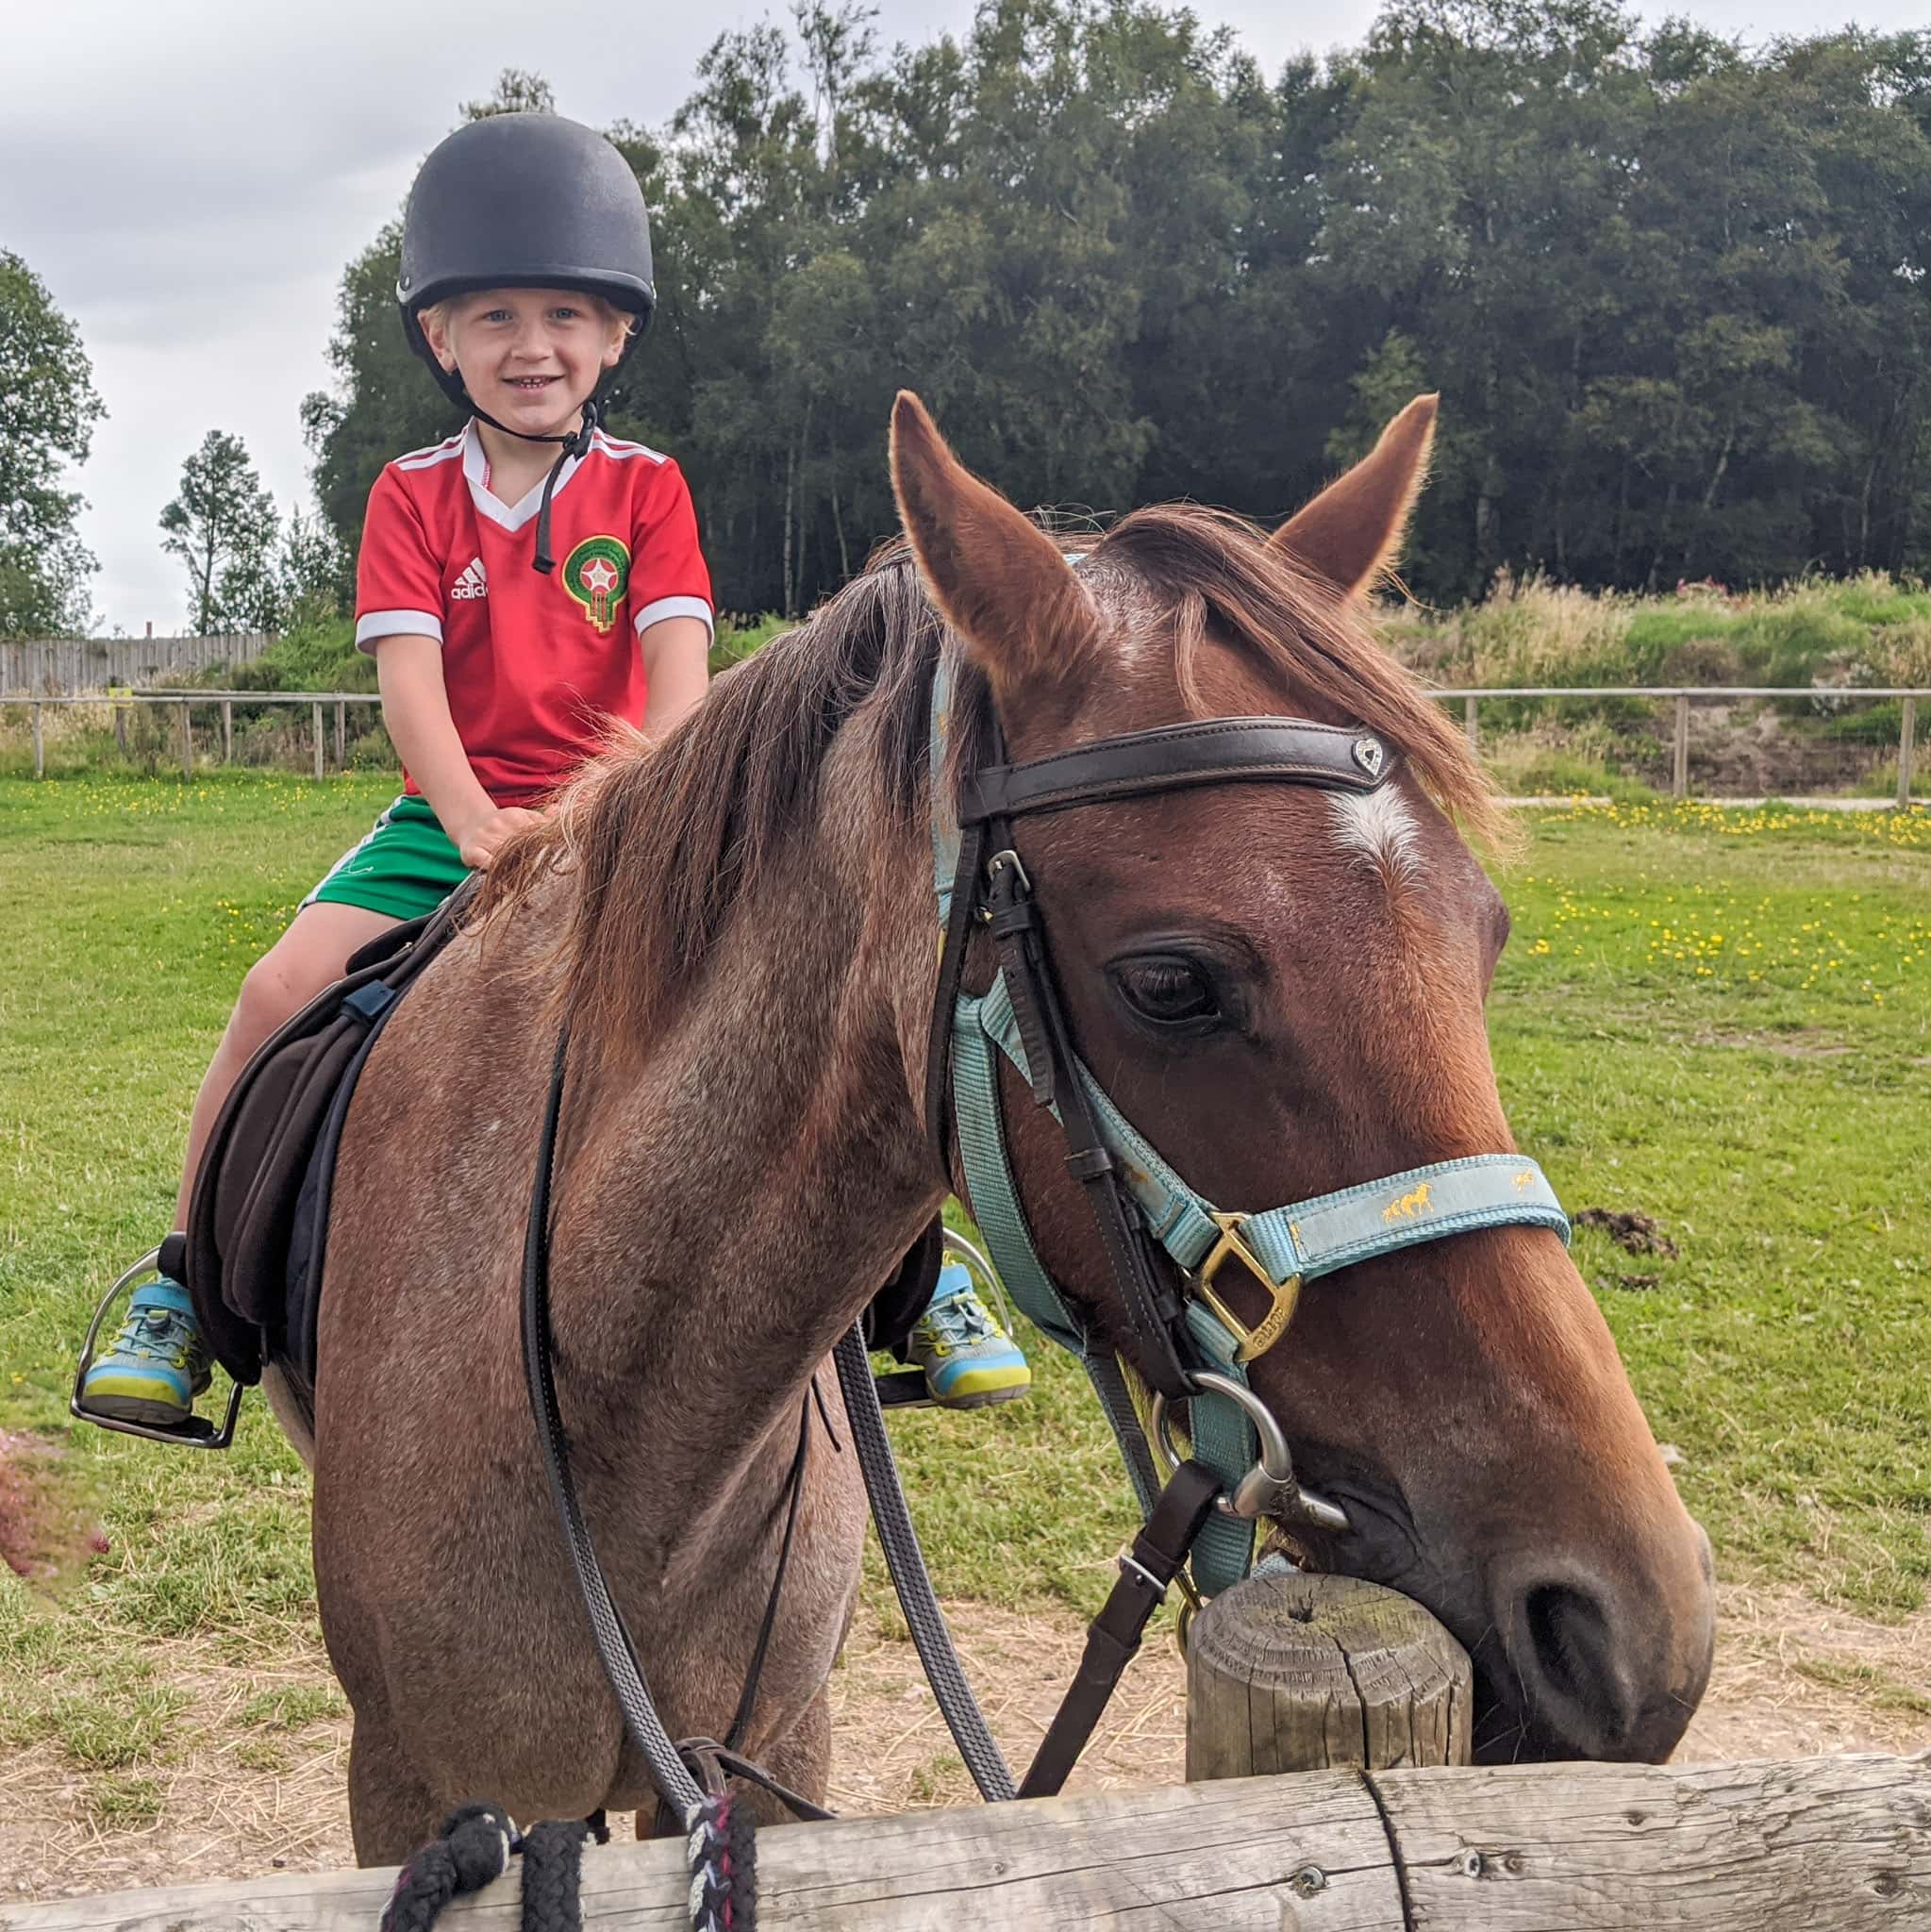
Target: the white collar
pixel 475 467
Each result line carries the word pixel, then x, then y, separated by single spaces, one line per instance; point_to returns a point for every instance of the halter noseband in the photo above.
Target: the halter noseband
pixel 1189 1344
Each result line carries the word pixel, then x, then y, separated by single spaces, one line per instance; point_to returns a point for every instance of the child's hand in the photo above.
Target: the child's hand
pixel 480 842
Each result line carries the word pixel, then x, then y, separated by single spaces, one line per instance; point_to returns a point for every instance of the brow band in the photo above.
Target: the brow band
pixel 1294 750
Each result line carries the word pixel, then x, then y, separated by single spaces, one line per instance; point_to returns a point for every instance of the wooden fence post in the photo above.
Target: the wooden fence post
pixel 318 740
pixel 1292 1671
pixel 1679 786
pixel 39 746
pixel 1468 720
pixel 122 707
pixel 187 743
pixel 342 736
pixel 228 731
pixel 1907 736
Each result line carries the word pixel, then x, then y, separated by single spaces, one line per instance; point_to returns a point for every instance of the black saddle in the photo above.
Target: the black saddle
pixel 258 1221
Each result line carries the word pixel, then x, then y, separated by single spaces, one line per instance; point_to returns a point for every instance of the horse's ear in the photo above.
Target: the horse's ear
pixel 998 578
pixel 1351 532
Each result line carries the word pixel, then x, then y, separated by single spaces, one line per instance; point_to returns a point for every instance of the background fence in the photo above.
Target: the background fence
pixel 1718 743
pixel 52 667
pixel 1700 742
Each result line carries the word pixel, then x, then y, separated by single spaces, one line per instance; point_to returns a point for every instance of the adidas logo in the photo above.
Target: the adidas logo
pixel 473 582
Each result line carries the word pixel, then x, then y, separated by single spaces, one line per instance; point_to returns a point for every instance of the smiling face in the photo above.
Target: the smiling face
pixel 528 356
pixel 1283 989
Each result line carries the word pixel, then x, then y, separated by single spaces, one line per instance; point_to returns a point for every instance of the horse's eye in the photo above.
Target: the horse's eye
pixel 1167 990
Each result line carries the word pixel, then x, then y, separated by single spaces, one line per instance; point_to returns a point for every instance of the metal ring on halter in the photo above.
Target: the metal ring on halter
pixel 195 1433
pixel 1269 1488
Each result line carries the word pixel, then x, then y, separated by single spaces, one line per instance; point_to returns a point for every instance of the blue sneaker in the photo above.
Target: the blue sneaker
pixel 969 1359
pixel 157 1365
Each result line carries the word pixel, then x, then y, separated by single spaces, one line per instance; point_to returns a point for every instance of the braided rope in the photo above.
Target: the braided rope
pixel 721 1846
pixel 471 1847
pixel 552 1876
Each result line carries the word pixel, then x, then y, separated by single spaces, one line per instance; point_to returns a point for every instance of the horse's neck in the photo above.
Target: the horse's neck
pixel 729 1204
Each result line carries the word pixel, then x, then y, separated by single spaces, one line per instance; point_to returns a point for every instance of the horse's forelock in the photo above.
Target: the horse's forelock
pixel 1212 569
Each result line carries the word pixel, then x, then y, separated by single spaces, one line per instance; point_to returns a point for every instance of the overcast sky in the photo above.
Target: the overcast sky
pixel 190 177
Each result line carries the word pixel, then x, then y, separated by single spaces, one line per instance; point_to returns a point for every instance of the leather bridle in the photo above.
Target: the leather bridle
pixel 1164 1242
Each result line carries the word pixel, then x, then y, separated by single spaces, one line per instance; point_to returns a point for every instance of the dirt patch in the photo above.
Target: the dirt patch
pixel 1802 1043
pixel 1792 1679
pixel 45 1531
pixel 1635 1232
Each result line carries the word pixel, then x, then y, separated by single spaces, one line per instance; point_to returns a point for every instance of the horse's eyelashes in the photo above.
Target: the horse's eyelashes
pixel 1168 990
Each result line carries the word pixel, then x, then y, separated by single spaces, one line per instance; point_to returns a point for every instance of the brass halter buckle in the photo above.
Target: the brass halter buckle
pixel 1287 1295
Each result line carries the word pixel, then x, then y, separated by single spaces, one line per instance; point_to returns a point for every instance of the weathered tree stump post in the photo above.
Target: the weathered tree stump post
pixel 1291 1672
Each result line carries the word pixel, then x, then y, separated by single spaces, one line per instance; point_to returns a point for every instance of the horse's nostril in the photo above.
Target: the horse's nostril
pixel 1570 1638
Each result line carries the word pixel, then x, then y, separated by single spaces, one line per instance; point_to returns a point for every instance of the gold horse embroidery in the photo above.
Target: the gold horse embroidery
pixel 1409 1206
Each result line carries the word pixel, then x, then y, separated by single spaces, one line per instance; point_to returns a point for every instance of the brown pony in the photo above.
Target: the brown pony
pixel 740 925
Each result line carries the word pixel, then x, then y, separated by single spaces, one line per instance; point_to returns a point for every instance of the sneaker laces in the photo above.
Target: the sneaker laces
pixel 165 1334
pixel 961 1320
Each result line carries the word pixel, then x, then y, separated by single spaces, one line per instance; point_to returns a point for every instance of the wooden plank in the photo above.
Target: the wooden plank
pixel 228 731
pixel 1679 777
pixel 187 743
pixel 39 746
pixel 318 740
pixel 1831 1845
pixel 342 736
pixel 1468 719
pixel 1247 1855
pixel 1827 1844
pixel 1907 736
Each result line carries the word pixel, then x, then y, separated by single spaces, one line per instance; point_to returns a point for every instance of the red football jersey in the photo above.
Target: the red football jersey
pixel 535 666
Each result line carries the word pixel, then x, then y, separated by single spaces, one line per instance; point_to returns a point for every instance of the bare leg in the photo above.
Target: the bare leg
pixel 307 958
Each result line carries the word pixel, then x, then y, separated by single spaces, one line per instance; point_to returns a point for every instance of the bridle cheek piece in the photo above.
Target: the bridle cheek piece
pixel 1168 1248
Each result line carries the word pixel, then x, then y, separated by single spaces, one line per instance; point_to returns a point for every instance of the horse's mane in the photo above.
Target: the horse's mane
pixel 664 840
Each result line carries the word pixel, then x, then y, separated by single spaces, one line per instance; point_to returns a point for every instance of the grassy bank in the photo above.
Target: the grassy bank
pixel 1836 637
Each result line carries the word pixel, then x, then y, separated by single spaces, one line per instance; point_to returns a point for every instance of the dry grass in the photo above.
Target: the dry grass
pixel 255 1777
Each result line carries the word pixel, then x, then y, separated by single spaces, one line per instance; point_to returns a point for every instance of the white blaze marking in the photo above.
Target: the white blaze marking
pixel 1379 827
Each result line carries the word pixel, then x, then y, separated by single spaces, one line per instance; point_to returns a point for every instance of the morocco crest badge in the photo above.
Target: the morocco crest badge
pixel 596 574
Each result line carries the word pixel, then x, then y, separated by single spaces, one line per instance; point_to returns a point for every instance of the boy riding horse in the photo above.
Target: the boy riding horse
pixel 502 657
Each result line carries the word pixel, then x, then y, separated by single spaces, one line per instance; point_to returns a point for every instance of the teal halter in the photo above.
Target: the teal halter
pixel 1283 1247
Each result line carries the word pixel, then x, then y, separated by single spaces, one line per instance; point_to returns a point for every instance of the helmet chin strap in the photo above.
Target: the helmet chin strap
pixel 575 445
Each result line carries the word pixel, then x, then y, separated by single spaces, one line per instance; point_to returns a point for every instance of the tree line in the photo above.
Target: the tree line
pixel 1671 291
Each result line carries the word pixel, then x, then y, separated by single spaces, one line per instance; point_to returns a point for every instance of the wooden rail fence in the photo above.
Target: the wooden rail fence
pixel 187 702
pixel 1831 1845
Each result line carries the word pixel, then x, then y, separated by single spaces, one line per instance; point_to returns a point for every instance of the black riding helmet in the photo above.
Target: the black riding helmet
pixel 528 201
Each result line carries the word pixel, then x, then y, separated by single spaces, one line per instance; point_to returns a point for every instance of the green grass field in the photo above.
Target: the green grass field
pixel 1720 1020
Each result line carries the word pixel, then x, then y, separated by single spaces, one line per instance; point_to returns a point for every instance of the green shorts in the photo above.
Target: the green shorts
pixel 407 866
